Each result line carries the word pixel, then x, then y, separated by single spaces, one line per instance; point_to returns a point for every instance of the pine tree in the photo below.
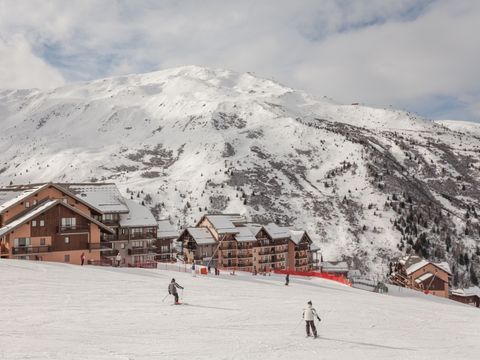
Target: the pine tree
pixel 473 276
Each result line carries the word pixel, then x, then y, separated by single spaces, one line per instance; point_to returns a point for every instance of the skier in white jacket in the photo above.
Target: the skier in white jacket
pixel 309 314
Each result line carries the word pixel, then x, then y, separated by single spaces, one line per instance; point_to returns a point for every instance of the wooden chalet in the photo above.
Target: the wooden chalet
pixel 300 256
pixel 470 296
pixel 419 274
pixel 49 222
pixel 271 250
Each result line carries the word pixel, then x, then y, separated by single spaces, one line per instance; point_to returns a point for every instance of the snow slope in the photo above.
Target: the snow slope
pixel 60 311
pixel 193 140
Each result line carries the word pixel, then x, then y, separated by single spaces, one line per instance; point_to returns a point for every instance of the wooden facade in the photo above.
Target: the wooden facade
pixel 47 223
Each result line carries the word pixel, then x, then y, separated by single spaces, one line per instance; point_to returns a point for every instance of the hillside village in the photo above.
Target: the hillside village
pixel 93 224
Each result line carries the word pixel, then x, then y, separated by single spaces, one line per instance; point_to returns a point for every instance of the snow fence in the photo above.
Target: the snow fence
pixel 318 274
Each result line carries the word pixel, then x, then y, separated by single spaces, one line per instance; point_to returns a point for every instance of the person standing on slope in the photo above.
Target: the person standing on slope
pixel 287 279
pixel 82 258
pixel 172 290
pixel 118 259
pixel 309 314
pixel 193 269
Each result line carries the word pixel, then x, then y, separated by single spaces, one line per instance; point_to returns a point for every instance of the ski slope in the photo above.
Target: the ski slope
pixel 60 311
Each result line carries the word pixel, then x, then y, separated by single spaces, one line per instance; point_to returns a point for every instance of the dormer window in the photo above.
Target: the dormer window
pixel 34 202
pixel 27 204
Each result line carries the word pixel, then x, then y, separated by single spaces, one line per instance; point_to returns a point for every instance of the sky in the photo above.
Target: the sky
pixel 421 56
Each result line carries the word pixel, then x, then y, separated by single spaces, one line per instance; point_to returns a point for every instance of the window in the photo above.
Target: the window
pixel 67 258
pixel 27 204
pixel 67 240
pixel 69 222
pixel 22 242
pixel 42 242
pixel 42 222
pixel 65 200
pixel 34 223
pixel 122 246
pixel 34 202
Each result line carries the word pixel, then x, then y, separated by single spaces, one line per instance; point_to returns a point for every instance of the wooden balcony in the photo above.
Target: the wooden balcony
pixel 26 250
pixel 72 229
pixel 141 251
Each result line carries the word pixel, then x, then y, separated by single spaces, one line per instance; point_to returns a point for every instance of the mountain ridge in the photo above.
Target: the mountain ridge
pixel 368 183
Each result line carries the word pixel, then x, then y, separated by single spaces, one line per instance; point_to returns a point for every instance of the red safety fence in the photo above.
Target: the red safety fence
pixel 318 274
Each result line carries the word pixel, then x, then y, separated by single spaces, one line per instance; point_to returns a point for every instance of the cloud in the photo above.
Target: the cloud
pixel 419 55
pixel 20 68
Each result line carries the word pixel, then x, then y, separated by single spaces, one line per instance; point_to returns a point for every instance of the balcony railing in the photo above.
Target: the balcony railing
pixel 244 256
pixel 145 235
pixel 109 253
pixel 141 251
pixel 72 229
pixel 23 250
pixel 96 246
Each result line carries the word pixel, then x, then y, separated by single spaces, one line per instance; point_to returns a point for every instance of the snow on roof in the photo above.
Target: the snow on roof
pixel 225 223
pixel 105 197
pixel 424 277
pixel 244 234
pixel 202 236
pixel 416 266
pixel 11 195
pixel 254 228
pixel 296 236
pixel 277 232
pixel 38 210
pixel 334 266
pixel 314 247
pixel 138 215
pixel 43 207
pixel 471 291
pixel 166 230
pixel 444 266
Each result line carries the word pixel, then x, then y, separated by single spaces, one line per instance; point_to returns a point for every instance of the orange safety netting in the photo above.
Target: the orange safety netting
pixel 318 274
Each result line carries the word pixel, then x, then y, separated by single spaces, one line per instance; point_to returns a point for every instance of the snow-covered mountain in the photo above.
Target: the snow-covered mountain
pixel 369 183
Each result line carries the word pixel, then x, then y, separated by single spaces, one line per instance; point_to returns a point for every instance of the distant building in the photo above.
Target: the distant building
pixel 419 274
pixel 339 268
pixel 166 235
pixel 229 241
pixel 470 296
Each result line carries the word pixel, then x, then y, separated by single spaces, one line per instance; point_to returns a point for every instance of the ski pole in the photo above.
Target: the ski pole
pixel 165 297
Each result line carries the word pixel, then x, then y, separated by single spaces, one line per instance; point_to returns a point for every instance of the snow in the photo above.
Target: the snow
pixel 59 311
pixel 277 232
pixel 138 215
pixel 12 195
pixel 38 210
pixel 423 277
pixel 418 265
pixel 244 234
pixel 225 223
pixel 166 230
pixel 296 236
pixel 202 236
pixel 105 197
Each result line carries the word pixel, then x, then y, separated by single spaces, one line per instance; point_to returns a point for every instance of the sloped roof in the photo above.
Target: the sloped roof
pixel 254 228
pixel 424 277
pixel 314 247
pixel 277 232
pixel 11 195
pixel 416 266
pixel 296 236
pixel 226 223
pixel 43 207
pixel 138 215
pixel 166 230
pixel 334 266
pixel 471 291
pixel 202 236
pixel 104 196
pixel 245 234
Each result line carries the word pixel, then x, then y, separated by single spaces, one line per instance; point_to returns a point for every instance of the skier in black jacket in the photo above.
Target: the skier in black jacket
pixel 172 290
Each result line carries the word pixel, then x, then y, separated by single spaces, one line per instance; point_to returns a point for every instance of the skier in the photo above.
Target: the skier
pixel 309 315
pixel 118 258
pixel 193 269
pixel 82 258
pixel 287 279
pixel 172 290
